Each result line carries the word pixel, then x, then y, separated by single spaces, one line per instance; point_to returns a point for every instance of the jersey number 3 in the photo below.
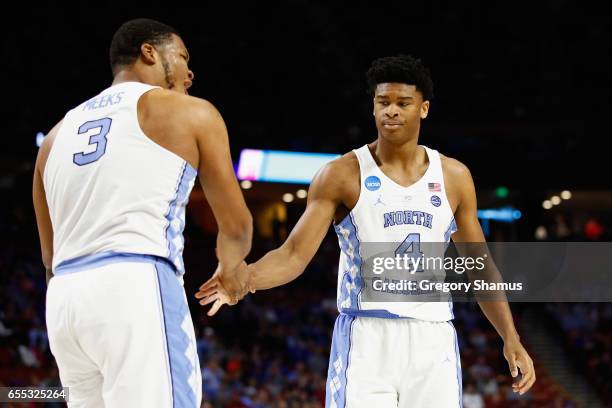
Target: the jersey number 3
pixel 99 139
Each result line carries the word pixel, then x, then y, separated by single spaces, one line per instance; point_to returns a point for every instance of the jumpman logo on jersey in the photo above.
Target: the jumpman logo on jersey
pixel 379 201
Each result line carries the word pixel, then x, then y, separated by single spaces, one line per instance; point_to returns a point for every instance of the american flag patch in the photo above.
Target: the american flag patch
pixel 433 186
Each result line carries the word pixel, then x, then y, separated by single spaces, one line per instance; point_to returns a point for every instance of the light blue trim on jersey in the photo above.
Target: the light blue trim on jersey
pixel 458 359
pixel 360 281
pixel 379 313
pixel 87 262
pixel 175 311
pixel 351 248
pixel 175 217
pixel 339 360
pixel 452 228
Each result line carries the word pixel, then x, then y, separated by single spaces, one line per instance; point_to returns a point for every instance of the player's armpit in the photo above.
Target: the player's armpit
pixel 466 218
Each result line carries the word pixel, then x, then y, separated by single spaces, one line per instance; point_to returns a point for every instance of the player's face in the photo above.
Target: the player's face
pixel 398 109
pixel 174 58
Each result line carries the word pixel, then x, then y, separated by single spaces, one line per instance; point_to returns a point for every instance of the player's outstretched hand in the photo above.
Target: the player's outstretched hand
pixel 224 288
pixel 518 359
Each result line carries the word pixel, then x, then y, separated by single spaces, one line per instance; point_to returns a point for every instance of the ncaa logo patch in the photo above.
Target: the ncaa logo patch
pixel 436 201
pixel 372 183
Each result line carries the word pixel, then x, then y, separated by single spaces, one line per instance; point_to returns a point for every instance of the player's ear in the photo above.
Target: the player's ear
pixel 148 53
pixel 424 109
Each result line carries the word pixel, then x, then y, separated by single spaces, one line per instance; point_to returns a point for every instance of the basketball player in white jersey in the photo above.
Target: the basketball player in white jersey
pixel 393 354
pixel 111 183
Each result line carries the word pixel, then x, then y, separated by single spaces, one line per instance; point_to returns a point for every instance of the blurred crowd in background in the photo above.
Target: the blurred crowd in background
pixel 272 349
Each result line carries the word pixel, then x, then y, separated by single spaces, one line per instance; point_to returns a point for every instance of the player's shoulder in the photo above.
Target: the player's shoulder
pixel 340 168
pixel 337 177
pixel 175 103
pixel 453 169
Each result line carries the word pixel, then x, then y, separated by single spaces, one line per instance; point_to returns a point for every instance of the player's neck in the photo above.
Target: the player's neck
pixel 132 75
pixel 392 153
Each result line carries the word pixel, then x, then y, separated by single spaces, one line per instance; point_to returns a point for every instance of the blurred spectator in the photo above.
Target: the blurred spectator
pixel 586 332
pixel 472 398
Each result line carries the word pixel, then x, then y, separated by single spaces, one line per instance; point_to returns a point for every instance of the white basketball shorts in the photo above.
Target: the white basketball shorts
pixel 399 363
pixel 121 333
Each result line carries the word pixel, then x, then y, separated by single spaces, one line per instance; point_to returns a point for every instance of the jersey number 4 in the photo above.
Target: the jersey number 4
pixel 411 248
pixel 99 139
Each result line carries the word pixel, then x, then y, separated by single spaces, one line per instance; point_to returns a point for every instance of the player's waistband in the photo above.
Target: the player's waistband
pixel 86 262
pixel 385 314
pixel 379 313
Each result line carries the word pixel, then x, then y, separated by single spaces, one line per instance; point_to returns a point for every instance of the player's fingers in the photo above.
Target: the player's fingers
pixel 527 371
pixel 527 386
pixel 250 286
pixel 209 299
pixel 210 283
pixel 512 364
pixel 215 307
pixel 236 295
pixel 530 384
pixel 232 300
pixel 525 380
pixel 528 377
pixel 202 293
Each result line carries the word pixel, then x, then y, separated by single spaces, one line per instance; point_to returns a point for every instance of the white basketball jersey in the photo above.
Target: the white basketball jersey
pixel 111 189
pixel 389 213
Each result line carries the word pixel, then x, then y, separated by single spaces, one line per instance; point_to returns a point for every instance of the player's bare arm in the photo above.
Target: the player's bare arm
pixel 43 219
pixel 462 195
pixel 199 135
pixel 332 190
pixel 286 263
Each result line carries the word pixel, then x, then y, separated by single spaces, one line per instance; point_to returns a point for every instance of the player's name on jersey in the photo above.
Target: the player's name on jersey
pixel 408 217
pixel 103 101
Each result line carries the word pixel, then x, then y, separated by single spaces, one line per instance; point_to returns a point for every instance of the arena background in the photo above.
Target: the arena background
pixel 521 97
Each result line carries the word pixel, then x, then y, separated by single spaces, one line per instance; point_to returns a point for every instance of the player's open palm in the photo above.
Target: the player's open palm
pixel 224 288
pixel 518 359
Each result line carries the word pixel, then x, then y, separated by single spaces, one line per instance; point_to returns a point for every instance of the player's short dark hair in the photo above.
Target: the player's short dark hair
pixel 403 69
pixel 125 46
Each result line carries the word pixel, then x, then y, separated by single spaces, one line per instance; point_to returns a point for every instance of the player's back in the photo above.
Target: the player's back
pixel 110 188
